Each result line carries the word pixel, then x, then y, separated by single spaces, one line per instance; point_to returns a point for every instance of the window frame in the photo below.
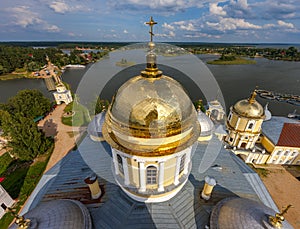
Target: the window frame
pixel 182 163
pixel 151 175
pixel 120 164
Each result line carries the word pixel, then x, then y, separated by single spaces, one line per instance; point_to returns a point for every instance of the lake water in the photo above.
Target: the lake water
pixel 236 81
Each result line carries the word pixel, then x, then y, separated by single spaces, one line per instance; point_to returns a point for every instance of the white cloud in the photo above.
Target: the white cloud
pixel 185 25
pixel 277 9
pixel 232 24
pixel 168 26
pixel 71 34
pixel 188 27
pixel 285 24
pixel 125 31
pixel 52 28
pixel 24 17
pixel 242 3
pixel 202 35
pixel 267 26
pixel 62 7
pixel 171 34
pixel 169 6
pixel 216 10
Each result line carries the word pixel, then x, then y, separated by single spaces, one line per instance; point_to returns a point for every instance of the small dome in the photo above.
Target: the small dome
pixel 249 108
pixel 268 114
pixel 151 115
pixel 242 213
pixel 67 214
pixel 206 125
pixel 95 126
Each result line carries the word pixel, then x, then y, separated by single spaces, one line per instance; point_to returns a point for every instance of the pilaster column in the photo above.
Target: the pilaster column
pixel 126 173
pixel 236 137
pixel 287 157
pixel 176 177
pixel 142 176
pixel 259 159
pixel 270 160
pixel 248 160
pixel 187 160
pixel 279 157
pixel 161 176
pixel 237 123
pixel 115 161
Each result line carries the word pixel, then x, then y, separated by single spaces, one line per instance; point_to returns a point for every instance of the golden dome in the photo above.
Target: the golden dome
pixel 151 116
pixel 249 108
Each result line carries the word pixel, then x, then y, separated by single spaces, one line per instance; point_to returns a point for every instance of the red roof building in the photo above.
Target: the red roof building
pixel 290 135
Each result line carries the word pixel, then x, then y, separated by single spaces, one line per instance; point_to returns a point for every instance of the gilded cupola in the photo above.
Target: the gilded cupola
pixel 249 108
pixel 151 114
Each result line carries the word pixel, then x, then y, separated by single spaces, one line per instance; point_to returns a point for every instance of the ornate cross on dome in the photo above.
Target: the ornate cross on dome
pixel 151 23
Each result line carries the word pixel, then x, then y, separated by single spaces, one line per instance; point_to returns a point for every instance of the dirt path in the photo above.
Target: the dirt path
pixel 285 190
pixel 65 136
pixel 2 151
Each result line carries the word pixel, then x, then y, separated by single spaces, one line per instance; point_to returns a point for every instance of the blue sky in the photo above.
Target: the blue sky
pixel 268 21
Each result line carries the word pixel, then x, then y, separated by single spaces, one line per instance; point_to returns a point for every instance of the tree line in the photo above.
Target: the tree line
pixel 32 59
pixel 289 54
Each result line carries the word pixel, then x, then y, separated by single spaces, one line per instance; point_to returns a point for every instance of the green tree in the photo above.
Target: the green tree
pixel 33 66
pixel 100 105
pixel 25 140
pixel 199 104
pixel 29 103
pixel 1 69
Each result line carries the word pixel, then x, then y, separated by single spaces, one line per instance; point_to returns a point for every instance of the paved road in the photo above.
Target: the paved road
pixel 65 136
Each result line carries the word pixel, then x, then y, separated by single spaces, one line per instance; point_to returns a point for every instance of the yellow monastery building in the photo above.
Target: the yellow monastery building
pixel 259 139
pixel 281 140
pixel 244 123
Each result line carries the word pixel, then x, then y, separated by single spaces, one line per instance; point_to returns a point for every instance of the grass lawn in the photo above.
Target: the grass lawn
pixel 81 115
pixel 20 180
pixel 262 172
pixel 5 161
pixel 11 76
pixel 237 61
pixel 17 74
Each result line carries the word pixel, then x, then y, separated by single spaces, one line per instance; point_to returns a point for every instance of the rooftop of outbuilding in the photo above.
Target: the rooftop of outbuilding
pixel 272 128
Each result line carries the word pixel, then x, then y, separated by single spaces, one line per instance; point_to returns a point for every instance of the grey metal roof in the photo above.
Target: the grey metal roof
pixel 66 214
pixel 272 128
pixel 241 213
pixel 116 210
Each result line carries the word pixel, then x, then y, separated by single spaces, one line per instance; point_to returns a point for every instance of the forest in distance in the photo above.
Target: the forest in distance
pixel 27 57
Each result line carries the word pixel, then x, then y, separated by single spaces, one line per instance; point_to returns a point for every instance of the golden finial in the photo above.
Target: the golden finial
pixel 276 221
pixel 253 95
pixel 151 70
pixel 20 220
pixel 151 23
